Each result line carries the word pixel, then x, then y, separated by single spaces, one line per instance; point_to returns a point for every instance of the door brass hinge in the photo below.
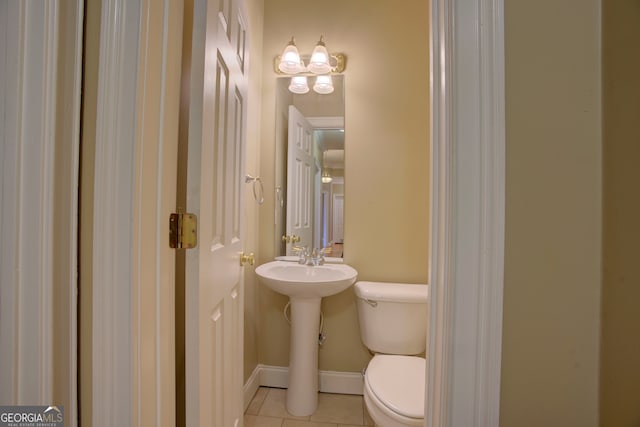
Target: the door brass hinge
pixel 183 231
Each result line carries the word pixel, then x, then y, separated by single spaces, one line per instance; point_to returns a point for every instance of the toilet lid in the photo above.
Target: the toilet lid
pixel 398 382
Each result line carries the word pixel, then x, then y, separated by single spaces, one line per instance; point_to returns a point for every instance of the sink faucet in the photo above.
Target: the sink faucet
pixel 310 256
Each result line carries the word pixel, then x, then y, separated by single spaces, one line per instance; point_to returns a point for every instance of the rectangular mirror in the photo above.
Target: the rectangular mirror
pixel 309 169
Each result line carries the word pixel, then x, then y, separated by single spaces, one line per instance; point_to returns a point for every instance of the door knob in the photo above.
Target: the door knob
pixel 246 259
pixel 286 239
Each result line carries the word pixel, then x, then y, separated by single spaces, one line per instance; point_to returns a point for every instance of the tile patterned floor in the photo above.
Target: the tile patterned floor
pixel 267 409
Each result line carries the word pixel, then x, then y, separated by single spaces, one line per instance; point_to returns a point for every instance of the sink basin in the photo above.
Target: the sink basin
pixel 297 280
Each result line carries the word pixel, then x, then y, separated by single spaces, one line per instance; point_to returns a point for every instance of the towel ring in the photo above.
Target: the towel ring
pixel 256 180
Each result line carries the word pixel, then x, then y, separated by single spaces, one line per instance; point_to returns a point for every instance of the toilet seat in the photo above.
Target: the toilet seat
pixel 395 384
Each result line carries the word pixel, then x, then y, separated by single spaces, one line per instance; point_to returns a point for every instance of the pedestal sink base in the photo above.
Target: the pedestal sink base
pixel 302 395
pixel 305 285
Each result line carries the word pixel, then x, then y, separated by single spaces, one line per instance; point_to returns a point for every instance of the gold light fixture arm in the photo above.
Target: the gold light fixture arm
pixel 338 63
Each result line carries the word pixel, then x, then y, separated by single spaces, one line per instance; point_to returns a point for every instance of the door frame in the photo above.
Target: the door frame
pixel 40 90
pixel 134 190
pixel 114 188
pixel 467 217
pixel 467 231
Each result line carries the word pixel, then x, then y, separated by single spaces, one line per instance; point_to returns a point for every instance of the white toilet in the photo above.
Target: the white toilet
pixel 393 325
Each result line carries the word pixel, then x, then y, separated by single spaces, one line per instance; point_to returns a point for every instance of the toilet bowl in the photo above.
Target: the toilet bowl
pixel 394 390
pixel 393 322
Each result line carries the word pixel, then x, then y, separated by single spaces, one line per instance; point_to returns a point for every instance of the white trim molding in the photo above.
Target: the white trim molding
pixel 113 212
pixel 328 122
pixel 278 377
pixel 133 346
pixel 27 208
pixel 40 75
pixel 467 230
pixel 250 387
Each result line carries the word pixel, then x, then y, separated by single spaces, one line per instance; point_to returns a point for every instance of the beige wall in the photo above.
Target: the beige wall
pixel 387 148
pixel 255 15
pixel 553 214
pixel 620 352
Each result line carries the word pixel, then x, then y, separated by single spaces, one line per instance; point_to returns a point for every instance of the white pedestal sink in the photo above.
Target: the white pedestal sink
pixel 305 286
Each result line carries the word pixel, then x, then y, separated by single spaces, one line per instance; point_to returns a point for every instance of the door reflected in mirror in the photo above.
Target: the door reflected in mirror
pixel 309 169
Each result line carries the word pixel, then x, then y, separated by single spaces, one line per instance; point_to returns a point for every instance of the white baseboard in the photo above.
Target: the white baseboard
pixel 274 376
pixel 341 382
pixel 251 387
pixel 278 376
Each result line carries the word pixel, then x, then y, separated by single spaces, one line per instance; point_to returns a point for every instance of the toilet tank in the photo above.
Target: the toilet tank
pixel 393 316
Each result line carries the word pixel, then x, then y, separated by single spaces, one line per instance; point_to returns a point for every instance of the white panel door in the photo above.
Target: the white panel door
pixel 213 279
pixel 301 170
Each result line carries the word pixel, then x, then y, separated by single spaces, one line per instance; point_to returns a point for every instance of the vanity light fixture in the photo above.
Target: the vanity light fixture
pixel 321 65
